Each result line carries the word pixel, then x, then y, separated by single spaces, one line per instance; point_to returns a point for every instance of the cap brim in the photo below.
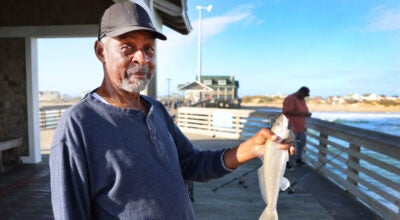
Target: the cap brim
pixel 124 30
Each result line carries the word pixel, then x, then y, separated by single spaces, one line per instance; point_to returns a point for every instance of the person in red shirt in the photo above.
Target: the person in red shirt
pixel 295 108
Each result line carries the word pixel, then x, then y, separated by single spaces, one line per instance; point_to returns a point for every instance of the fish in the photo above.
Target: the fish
pixel 271 173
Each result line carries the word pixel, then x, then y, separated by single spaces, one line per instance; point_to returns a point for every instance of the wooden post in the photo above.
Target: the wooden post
pixel 209 122
pixel 59 114
pixel 237 126
pixel 355 160
pixel 42 118
pixel 186 119
pixel 323 138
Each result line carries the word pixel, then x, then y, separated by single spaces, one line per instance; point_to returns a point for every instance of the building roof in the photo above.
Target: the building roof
pixel 219 81
pixel 210 83
pixel 195 85
pixel 174 14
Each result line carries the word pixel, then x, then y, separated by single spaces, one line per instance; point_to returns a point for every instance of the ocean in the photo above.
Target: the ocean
pixel 388 123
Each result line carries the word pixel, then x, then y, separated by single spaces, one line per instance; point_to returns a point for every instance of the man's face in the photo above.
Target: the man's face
pixel 129 60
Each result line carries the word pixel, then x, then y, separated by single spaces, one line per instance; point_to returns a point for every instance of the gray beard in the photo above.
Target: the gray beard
pixel 137 85
pixel 134 87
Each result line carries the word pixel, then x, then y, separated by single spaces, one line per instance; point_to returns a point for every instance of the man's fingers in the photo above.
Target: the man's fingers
pixel 286 144
pixel 292 150
pixel 263 135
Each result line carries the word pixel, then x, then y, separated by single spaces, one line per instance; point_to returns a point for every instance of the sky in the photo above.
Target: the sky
pixel 335 47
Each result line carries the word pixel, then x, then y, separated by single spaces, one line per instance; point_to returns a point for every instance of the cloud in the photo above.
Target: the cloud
pixel 216 25
pixel 384 19
pixel 211 26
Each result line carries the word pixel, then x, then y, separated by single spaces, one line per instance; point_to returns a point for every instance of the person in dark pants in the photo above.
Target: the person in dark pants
pixel 295 108
pixel 117 154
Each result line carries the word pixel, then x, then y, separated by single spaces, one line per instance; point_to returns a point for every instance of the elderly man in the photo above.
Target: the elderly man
pixel 117 154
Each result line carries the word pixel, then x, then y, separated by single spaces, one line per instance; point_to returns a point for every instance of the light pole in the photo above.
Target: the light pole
pixel 168 80
pixel 200 8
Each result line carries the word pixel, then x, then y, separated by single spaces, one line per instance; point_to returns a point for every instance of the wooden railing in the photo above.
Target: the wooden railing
pixel 229 123
pixel 362 162
pixel 50 115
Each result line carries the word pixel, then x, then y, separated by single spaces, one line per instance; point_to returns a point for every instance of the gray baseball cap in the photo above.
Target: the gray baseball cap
pixel 124 17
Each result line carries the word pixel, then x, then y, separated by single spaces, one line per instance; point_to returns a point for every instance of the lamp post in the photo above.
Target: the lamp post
pixel 200 8
pixel 168 80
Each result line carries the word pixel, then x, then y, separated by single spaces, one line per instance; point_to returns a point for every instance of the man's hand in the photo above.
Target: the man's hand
pixel 287 143
pixel 254 147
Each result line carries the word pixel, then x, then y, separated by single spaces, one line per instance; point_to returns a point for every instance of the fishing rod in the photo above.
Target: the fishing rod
pixel 239 177
pixel 299 180
pixel 291 188
pixel 302 178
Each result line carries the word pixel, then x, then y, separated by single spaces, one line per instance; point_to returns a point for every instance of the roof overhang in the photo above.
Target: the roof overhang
pixel 174 14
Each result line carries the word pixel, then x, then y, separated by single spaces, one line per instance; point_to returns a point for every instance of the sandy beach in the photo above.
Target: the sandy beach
pixel 323 107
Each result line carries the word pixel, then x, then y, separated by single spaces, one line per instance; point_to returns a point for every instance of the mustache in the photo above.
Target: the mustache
pixel 138 69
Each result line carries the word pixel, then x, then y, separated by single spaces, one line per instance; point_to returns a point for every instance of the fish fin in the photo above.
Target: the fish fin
pixel 284 183
pixel 261 183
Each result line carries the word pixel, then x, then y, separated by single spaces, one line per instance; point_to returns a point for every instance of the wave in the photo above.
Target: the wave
pixel 383 122
pixel 331 116
pixel 388 123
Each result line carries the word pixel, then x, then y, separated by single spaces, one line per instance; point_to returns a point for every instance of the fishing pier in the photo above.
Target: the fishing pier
pixel 347 174
pixel 363 163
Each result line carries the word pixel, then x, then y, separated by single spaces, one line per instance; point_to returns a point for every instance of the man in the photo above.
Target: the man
pixel 295 108
pixel 117 154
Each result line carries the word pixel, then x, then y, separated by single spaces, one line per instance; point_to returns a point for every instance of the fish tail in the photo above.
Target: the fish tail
pixel 269 214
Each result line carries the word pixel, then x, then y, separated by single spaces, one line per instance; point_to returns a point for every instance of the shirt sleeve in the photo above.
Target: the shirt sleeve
pixel 198 165
pixel 195 164
pixel 223 162
pixel 69 190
